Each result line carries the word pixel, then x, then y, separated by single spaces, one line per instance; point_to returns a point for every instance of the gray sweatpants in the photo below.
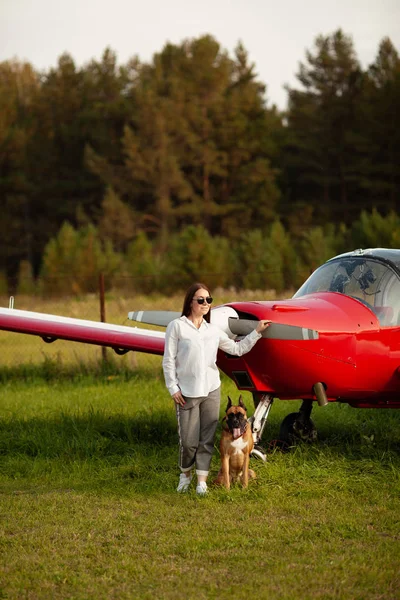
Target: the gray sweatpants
pixel 197 424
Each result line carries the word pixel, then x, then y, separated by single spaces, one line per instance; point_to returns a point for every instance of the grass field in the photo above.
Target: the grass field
pixel 88 508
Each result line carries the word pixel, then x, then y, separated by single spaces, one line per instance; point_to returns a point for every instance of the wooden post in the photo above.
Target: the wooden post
pixel 102 311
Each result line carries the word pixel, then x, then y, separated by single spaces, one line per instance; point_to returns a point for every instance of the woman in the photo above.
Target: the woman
pixel 192 378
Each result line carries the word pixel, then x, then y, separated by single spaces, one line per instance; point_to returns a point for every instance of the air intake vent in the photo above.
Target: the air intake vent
pixel 242 379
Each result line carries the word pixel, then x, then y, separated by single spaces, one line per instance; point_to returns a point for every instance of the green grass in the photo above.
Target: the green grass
pixel 88 508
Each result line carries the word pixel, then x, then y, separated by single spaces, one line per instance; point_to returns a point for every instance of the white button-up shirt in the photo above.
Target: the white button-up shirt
pixel 190 355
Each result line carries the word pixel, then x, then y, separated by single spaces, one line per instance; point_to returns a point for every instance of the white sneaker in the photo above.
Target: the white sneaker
pixel 201 488
pixel 184 482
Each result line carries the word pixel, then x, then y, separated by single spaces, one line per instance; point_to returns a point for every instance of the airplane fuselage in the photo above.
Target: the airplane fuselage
pixel 356 359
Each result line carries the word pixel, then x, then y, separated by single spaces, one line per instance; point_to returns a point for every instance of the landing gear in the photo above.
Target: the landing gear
pixel 298 426
pixel 263 403
pixel 295 427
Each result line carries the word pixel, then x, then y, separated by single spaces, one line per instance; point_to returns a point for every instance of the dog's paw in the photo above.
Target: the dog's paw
pixel 252 474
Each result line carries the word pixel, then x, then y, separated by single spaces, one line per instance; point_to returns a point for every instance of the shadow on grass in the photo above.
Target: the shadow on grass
pixel 89 453
pixel 356 430
pixel 82 437
pixel 53 370
pixel 98 435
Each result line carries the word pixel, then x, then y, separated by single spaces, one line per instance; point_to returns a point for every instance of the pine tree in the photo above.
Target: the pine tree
pixel 321 157
pixel 116 222
pixel 382 121
pixel 19 86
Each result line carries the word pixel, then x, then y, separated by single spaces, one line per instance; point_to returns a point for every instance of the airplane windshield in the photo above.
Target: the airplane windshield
pixel 371 282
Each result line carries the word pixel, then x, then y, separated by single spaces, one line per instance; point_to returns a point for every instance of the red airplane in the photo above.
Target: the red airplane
pixel 336 340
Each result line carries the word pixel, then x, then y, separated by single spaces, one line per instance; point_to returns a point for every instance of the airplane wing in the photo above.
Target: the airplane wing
pixel 123 338
pixel 118 337
pixel 52 327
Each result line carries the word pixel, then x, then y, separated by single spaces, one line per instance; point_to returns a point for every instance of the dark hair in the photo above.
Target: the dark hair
pixel 186 310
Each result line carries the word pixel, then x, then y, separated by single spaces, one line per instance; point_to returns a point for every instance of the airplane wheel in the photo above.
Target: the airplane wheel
pixel 259 452
pixel 296 427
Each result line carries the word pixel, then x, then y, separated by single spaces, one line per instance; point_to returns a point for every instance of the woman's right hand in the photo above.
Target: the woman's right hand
pixel 178 398
pixel 261 325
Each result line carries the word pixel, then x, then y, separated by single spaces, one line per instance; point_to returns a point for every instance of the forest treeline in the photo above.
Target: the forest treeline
pixel 177 168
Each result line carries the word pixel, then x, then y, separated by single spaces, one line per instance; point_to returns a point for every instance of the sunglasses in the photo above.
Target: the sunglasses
pixel 202 300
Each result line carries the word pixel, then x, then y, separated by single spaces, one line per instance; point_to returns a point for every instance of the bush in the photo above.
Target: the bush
pixel 142 265
pixel 372 230
pixel 193 255
pixel 73 260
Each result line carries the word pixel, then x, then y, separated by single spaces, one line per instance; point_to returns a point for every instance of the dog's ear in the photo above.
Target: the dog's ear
pixel 241 403
pixel 229 404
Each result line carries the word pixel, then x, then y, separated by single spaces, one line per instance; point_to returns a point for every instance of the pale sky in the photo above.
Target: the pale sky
pixel 276 33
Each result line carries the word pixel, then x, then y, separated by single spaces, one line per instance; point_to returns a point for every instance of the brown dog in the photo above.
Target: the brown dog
pixel 235 447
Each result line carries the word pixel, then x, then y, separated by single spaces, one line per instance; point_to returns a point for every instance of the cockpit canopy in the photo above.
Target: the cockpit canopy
pixel 370 276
